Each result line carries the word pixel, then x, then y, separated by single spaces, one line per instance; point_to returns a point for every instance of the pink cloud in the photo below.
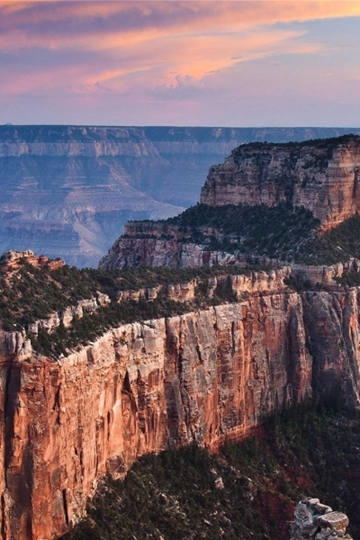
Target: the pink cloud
pixel 146 51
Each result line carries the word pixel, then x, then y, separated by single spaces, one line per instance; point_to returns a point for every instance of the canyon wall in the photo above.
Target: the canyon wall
pixel 204 376
pixel 68 190
pixel 322 176
pixel 157 244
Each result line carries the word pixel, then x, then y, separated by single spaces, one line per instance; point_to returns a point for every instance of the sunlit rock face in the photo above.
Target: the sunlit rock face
pixel 203 376
pixel 321 176
pixel 66 191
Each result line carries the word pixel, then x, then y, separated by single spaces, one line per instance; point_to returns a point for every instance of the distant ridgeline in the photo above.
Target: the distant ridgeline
pixel 68 190
pixel 294 202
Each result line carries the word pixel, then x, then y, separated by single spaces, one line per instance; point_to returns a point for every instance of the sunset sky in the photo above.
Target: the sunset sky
pixel 196 63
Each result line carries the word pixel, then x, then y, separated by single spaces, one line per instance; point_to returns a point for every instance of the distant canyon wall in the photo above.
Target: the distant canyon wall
pixel 204 376
pixel 68 190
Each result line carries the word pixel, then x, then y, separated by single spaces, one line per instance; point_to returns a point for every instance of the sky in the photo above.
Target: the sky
pixel 187 63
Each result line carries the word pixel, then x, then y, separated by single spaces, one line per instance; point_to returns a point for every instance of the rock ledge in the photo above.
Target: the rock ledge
pixel 316 521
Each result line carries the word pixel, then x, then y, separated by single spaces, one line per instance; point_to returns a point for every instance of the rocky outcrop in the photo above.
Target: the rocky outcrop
pixel 68 190
pixel 240 285
pixel 11 260
pixel 66 316
pixel 321 176
pixel 203 376
pixel 316 521
pixel 151 243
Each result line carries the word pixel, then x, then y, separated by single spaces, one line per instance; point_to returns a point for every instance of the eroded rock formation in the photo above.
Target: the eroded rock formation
pixel 68 190
pixel 151 243
pixel 322 176
pixel 141 387
pixel 316 521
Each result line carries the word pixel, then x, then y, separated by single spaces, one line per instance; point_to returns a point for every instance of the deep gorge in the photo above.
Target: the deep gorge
pixel 89 382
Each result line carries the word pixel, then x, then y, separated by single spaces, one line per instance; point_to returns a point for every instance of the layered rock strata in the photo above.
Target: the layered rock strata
pixel 239 285
pixel 316 521
pixel 68 190
pixel 321 176
pixel 203 376
pixel 151 243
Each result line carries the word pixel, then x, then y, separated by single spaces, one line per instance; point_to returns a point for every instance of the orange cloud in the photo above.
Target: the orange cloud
pixel 161 39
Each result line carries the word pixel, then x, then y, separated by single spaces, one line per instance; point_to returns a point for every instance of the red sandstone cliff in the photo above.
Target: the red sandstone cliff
pixel 201 376
pixel 323 176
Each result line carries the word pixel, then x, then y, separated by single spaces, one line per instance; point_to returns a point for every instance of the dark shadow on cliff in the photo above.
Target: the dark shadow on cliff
pixel 248 490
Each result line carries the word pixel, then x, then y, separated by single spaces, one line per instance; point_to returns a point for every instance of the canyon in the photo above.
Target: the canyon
pixel 204 376
pixel 320 177
pixel 68 190
pixel 241 347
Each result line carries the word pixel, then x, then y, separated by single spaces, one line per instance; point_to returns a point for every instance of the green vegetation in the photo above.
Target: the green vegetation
pixel 90 326
pixel 87 328
pixel 30 293
pixel 284 232
pixel 307 450
pixel 349 279
pixel 338 244
pixel 322 143
pixel 276 232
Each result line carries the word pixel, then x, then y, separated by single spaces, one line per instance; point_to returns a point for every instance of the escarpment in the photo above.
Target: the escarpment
pixel 317 521
pixel 322 176
pixel 68 190
pixel 209 374
pixel 296 202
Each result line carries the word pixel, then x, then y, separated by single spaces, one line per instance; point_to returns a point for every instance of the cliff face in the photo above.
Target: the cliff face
pixel 68 190
pixel 203 376
pixel 321 176
pixel 263 184
pixel 154 244
pixel 158 244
